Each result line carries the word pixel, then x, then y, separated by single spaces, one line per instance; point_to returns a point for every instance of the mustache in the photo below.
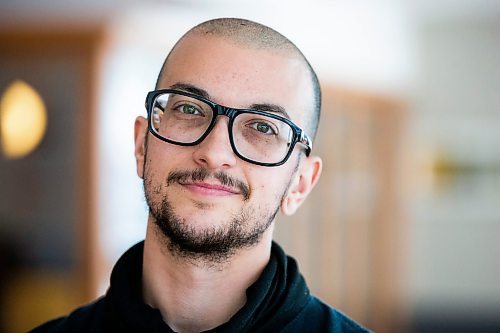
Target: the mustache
pixel 178 176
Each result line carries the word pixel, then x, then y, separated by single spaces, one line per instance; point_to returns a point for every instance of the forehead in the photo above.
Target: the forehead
pixel 239 76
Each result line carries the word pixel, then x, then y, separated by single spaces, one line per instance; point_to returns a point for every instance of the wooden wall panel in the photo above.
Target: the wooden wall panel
pixel 348 233
pixel 61 64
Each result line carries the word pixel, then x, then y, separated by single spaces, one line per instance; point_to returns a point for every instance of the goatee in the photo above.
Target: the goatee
pixel 213 245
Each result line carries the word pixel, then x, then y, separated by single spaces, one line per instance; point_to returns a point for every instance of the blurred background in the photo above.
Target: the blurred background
pixel 403 231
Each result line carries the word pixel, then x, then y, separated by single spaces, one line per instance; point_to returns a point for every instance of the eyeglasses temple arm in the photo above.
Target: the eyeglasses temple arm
pixel 306 141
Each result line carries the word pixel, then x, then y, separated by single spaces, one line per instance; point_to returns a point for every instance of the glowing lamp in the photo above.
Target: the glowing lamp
pixel 23 120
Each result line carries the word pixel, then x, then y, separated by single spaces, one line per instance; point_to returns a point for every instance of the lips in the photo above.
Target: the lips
pixel 210 189
pixel 204 182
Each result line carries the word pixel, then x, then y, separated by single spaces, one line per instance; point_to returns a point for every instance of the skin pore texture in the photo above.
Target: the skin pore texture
pixel 212 214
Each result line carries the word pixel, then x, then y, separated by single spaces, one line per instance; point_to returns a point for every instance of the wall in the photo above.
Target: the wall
pixel 454 270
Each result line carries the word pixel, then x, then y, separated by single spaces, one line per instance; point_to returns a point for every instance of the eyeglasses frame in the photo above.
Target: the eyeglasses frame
pixel 299 136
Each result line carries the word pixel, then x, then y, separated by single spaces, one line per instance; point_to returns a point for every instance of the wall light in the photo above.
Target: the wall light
pixel 23 120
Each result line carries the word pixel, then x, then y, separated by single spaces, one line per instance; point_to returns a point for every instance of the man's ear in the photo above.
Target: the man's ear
pixel 304 181
pixel 140 132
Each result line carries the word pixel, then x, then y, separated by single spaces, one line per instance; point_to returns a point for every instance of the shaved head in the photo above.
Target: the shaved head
pixel 249 34
pixel 245 33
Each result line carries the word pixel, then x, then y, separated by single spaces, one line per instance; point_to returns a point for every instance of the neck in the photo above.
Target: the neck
pixel 195 297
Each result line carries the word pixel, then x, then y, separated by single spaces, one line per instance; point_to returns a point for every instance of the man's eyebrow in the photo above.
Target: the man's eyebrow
pixel 274 108
pixel 267 107
pixel 190 89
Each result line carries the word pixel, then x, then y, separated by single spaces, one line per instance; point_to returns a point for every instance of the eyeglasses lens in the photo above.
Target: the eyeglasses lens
pixel 184 119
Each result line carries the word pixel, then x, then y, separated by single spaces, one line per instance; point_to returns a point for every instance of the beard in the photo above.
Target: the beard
pixel 211 245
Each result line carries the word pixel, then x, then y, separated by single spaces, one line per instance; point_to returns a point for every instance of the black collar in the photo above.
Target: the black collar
pixel 273 300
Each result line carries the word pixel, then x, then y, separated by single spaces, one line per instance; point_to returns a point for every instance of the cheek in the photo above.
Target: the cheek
pixel 152 184
pixel 162 156
pixel 157 164
pixel 270 186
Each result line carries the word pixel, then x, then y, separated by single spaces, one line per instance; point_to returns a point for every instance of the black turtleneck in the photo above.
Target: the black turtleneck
pixel 279 301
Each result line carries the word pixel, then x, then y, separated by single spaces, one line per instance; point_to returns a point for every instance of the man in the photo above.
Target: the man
pixel 224 147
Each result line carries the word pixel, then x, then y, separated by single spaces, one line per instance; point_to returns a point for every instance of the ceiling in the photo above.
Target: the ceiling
pixel 26 12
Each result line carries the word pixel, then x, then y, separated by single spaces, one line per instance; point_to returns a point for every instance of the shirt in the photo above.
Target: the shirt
pixel 279 301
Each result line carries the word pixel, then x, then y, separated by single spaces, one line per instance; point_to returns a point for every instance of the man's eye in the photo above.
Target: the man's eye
pixel 263 128
pixel 189 109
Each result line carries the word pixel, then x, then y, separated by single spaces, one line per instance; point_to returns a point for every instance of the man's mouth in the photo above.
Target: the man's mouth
pixel 201 181
pixel 210 188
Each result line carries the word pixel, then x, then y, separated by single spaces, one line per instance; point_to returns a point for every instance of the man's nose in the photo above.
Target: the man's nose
pixel 215 151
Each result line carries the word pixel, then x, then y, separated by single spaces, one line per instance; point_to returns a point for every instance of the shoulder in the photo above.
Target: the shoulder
pixel 319 317
pixel 88 318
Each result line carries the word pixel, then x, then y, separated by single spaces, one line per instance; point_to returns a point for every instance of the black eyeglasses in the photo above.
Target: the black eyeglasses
pixel 258 137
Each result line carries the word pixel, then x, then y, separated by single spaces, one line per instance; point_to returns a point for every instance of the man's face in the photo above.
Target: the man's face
pixel 204 198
